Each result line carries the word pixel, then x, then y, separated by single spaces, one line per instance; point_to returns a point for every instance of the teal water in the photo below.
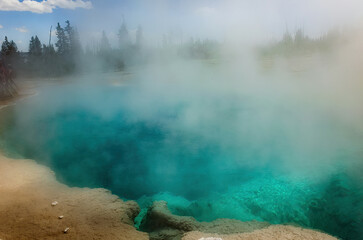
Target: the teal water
pixel 208 153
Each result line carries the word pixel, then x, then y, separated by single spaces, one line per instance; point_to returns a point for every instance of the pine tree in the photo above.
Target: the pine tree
pixel 62 43
pixel 73 37
pixel 69 29
pixel 13 48
pixel 123 36
pixel 299 37
pixel 48 50
pixel 104 44
pixel 5 46
pixel 139 37
pixel 35 46
pixel 8 48
pixel 31 45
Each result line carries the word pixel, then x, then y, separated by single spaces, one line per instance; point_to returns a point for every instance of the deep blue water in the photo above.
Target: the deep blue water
pixel 209 154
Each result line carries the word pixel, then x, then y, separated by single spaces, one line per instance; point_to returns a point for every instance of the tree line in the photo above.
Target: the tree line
pixel 299 43
pixel 67 55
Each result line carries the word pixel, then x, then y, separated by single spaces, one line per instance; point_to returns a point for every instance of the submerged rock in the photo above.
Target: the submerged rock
pixel 273 232
pixel 162 224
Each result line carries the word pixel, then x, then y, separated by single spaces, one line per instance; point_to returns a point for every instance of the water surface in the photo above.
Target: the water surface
pixel 209 151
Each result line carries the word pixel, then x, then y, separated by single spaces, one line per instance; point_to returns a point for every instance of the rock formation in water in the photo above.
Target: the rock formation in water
pixel 273 232
pixel 162 224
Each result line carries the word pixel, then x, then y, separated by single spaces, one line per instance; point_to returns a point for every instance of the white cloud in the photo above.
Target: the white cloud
pixel 42 6
pixel 22 29
pixel 1 26
pixel 70 4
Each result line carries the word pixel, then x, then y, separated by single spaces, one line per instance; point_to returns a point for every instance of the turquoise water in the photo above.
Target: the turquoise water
pixel 208 153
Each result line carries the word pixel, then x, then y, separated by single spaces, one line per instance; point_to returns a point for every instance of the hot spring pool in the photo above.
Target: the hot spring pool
pixel 208 153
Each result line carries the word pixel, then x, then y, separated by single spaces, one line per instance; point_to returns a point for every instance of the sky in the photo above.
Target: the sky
pixel 245 20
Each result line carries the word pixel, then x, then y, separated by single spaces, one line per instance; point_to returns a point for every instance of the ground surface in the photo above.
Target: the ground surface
pixel 27 191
